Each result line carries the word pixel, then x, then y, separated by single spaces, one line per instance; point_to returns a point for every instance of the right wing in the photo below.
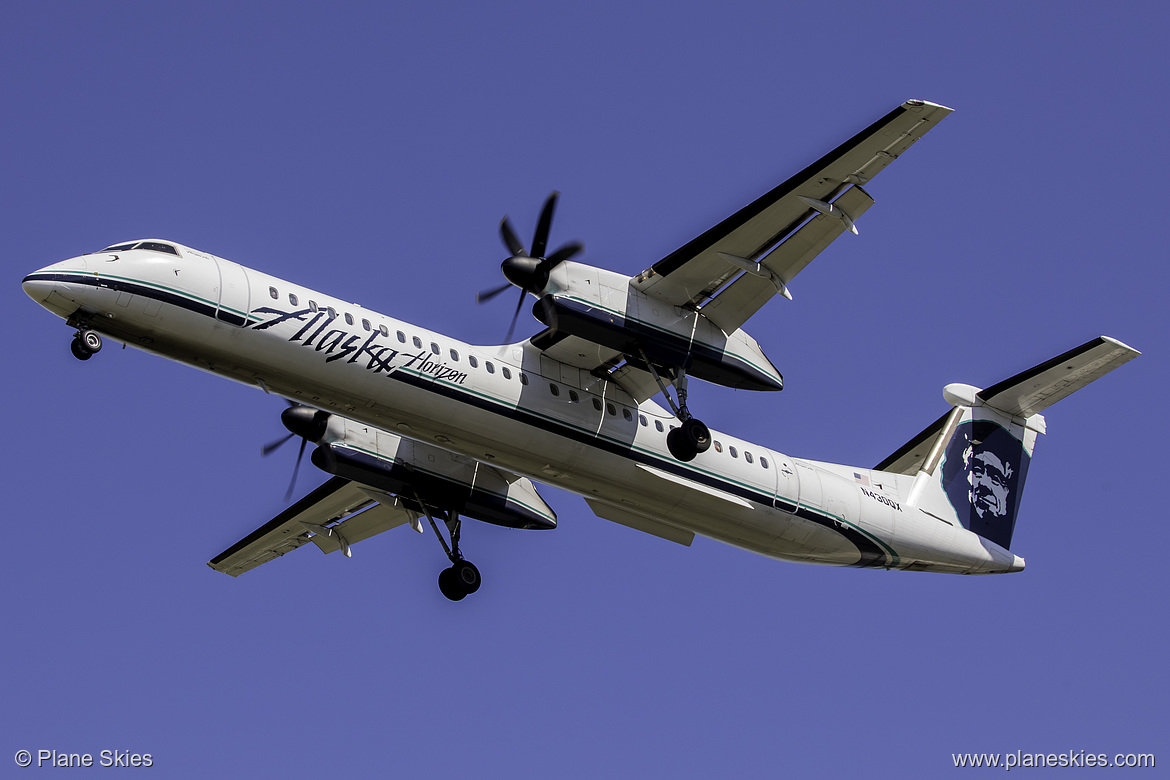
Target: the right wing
pixel 362 511
pixel 769 241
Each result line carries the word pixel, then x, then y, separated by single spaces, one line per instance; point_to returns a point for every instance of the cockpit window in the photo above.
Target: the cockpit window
pixel 155 246
pixel 152 246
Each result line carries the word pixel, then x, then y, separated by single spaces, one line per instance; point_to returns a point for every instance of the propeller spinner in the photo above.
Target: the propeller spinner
pixel 301 421
pixel 529 272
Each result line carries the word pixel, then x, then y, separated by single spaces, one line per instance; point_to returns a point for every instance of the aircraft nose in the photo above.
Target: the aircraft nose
pixel 37 286
pixel 56 286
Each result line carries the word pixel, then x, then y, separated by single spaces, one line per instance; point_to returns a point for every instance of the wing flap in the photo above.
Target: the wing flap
pixel 366 523
pixel 736 303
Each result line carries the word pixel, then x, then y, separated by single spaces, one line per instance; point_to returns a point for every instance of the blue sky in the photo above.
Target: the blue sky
pixel 369 150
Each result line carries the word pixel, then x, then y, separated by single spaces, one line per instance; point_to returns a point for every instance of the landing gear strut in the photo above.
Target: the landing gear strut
pixel 462 578
pixel 691 436
pixel 85 344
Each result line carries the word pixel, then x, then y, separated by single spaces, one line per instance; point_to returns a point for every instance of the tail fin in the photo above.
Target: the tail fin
pixel 971 463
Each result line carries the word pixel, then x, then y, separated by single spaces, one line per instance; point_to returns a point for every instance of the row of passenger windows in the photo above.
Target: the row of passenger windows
pixel 472 360
pixel 490 367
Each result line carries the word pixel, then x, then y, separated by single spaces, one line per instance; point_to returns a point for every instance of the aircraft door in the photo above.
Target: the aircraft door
pixel 787 490
pixel 232 306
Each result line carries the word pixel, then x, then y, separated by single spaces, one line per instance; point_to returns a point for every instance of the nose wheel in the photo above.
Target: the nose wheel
pixel 85 344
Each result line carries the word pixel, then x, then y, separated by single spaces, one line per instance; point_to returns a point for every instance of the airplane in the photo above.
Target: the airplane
pixel 417 428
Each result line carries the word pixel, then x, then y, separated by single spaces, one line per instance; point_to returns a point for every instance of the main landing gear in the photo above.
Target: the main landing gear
pixel 691 436
pixel 85 344
pixel 461 579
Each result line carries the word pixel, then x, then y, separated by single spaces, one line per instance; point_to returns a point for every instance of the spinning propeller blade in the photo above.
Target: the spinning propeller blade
pixel 529 272
pixel 301 421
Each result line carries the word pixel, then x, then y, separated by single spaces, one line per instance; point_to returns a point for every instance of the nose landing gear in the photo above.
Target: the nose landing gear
pixel 85 344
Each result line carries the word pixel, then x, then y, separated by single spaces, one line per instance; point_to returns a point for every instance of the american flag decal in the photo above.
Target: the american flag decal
pixel 860 479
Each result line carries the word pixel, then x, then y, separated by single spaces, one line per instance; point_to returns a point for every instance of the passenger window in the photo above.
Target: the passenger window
pixel 491 369
pixel 273 293
pixel 384 330
pixel 658 425
pixel 435 348
pixel 642 419
pixel 473 360
pixel 417 341
pixel 734 454
pixel 718 446
pixel 747 456
pixel 609 408
pixel 626 413
pixel 506 372
pixel 401 337
pixel 573 397
pixel 366 324
pixel 552 388
pixel 764 462
pixel 292 299
pixel 597 404
pixel 455 356
pixel 348 318
pixel 523 378
pixel 332 313
pixel 313 306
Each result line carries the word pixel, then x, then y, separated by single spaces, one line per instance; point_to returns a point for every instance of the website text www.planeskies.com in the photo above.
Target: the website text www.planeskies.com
pixel 1070 758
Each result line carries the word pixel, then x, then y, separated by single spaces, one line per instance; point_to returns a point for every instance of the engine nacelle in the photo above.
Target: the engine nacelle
pixel 443 481
pixel 604 308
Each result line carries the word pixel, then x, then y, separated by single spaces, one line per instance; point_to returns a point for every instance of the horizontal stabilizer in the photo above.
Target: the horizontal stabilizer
pixel 1034 390
pixel 1023 395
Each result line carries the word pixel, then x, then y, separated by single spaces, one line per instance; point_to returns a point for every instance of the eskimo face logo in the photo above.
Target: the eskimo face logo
pixel 983 474
pixel 988 477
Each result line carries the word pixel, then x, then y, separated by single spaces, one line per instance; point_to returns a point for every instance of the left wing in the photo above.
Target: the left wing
pixel 769 241
pixel 362 512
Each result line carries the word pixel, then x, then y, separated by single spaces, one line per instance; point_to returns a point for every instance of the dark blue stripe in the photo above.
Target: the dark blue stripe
pixel 119 285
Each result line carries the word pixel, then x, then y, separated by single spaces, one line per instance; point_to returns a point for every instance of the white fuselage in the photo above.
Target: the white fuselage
pixel 507 405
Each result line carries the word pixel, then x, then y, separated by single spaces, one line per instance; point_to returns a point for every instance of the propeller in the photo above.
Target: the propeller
pixel 301 421
pixel 529 272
